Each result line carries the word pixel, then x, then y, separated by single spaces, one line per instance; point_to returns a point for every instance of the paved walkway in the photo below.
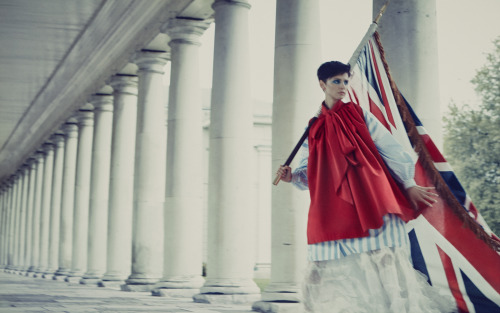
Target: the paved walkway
pixel 26 294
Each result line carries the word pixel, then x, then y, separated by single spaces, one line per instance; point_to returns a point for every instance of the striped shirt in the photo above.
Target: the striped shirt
pixel 393 232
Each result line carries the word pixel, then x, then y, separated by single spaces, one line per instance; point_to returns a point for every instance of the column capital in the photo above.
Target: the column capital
pixel 25 166
pixel 70 128
pixel 31 162
pixel 151 61
pixel 243 3
pixel 185 30
pixel 48 146
pixel 58 139
pixel 39 155
pixel 85 115
pixel 12 180
pixel 18 174
pixel 124 84
pixel 102 102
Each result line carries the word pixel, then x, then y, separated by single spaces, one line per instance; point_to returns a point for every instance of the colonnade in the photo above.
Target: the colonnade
pixel 110 199
pixel 114 196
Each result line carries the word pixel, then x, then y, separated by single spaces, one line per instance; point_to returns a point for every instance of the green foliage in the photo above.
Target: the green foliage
pixel 472 142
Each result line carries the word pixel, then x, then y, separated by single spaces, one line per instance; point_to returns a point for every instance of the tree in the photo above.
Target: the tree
pixel 472 141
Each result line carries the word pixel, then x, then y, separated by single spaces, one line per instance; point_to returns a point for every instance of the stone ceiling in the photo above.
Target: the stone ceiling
pixel 55 53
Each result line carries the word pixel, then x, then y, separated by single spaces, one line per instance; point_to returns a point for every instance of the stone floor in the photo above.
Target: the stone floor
pixel 26 294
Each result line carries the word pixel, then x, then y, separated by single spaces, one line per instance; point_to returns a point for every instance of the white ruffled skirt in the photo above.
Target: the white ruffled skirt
pixel 380 281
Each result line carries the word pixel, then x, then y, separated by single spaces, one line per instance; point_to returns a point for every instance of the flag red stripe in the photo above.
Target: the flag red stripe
pixel 452 281
pixel 484 259
pixel 381 86
pixel 433 150
pixel 378 113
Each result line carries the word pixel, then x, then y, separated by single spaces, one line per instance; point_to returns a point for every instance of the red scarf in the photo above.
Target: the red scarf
pixel 351 188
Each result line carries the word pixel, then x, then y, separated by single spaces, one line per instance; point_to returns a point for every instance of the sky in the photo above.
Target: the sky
pixel 465 31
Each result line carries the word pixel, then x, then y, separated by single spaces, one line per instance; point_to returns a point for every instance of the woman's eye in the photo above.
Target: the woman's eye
pixel 346 82
pixel 336 81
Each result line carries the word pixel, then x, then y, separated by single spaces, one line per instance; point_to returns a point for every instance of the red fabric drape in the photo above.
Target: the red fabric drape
pixel 351 188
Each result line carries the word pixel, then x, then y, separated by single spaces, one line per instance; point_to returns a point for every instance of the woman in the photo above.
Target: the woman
pixel 362 188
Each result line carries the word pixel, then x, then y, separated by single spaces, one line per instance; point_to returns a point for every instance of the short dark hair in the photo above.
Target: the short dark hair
pixel 333 68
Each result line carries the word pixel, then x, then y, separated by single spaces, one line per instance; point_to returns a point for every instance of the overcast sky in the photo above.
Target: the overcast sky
pixel 466 30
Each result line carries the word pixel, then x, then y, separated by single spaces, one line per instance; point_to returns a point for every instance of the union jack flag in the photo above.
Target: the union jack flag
pixel 444 245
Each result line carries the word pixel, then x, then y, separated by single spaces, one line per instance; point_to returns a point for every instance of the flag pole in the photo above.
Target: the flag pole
pixel 371 30
pixel 369 33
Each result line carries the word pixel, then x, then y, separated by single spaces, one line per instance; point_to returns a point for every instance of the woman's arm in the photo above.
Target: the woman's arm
pixel 297 177
pixel 399 162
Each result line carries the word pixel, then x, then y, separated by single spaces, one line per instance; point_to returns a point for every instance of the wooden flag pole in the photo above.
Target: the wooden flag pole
pixel 352 61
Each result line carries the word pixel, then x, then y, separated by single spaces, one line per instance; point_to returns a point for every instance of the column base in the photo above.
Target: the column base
pixel 36 275
pixel 62 272
pixel 230 291
pixel 174 293
pixel 137 282
pixel 111 284
pixel 137 287
pixel 178 286
pixel 58 277
pixel 73 279
pixel 246 299
pixel 89 281
pixel 115 277
pixel 48 275
pixel 277 307
pixel 282 292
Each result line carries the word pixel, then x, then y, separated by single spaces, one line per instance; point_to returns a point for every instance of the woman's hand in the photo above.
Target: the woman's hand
pixel 418 194
pixel 285 172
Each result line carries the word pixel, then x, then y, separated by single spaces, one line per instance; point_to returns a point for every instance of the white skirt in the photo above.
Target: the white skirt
pixel 380 281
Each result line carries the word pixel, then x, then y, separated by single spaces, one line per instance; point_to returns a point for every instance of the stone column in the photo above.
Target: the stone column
pixel 6 222
pixel 29 213
pixel 3 223
pixel 22 219
pixel 82 194
pixel 263 214
pixel 408 31
pixel 99 188
pixel 182 268
pixel 121 188
pixel 297 98
pixel 3 214
pixel 10 222
pixel 16 218
pixel 35 238
pixel 55 210
pixel 67 199
pixel 231 225
pixel 149 185
pixel 45 207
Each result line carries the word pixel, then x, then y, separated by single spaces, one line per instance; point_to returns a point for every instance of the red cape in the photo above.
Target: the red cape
pixel 351 188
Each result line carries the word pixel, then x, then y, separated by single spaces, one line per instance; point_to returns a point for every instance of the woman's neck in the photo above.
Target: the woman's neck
pixel 330 103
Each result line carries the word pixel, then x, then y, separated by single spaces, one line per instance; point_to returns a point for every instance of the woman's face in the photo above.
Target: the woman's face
pixel 335 87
